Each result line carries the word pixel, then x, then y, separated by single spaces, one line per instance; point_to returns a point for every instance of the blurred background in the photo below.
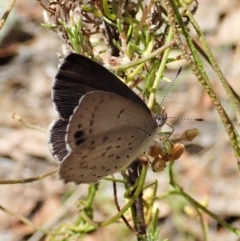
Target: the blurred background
pixel 207 171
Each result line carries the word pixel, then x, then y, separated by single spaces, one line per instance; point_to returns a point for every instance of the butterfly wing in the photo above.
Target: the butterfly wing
pixel 104 153
pixel 105 133
pixel 56 141
pixel 79 75
pixel 100 111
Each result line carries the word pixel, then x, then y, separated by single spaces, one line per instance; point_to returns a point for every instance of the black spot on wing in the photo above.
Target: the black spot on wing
pixel 120 113
pixel 78 137
pixel 78 134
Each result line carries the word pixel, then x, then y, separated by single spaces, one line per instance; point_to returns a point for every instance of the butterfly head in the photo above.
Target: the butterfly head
pixel 160 118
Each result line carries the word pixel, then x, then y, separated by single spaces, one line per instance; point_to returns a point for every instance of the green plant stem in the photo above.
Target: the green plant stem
pixel 179 191
pixel 140 66
pixel 151 204
pixel 233 100
pixel 6 13
pixel 203 224
pixel 91 194
pixel 204 209
pixel 143 59
pixel 111 179
pixel 201 75
pixel 125 208
pixel 31 179
pixel 160 70
pixel 131 201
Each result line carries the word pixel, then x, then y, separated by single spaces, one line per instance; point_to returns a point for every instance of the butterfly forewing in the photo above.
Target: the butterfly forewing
pixel 99 112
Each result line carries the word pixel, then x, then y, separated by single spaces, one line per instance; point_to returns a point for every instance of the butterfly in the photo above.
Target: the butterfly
pixel 103 125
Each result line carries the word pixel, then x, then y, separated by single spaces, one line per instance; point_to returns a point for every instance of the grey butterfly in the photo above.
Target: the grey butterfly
pixel 103 124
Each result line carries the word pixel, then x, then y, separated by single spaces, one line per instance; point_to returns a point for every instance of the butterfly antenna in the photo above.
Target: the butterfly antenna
pixel 177 118
pixel 180 118
pixel 170 86
pixel 185 118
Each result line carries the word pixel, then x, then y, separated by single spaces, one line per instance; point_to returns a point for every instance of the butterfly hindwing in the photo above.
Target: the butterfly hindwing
pixel 103 154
